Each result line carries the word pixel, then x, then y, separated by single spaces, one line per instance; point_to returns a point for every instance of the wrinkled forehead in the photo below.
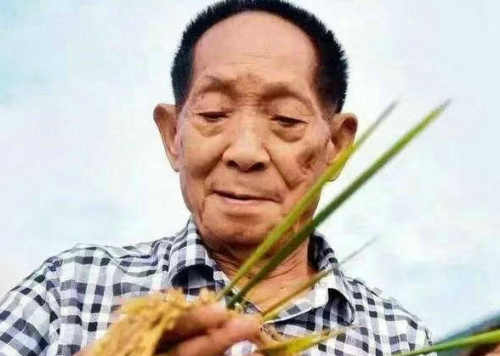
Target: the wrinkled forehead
pixel 255 45
pixel 260 87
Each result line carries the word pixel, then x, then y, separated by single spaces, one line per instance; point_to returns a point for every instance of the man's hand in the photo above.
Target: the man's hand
pixel 205 331
pixel 209 331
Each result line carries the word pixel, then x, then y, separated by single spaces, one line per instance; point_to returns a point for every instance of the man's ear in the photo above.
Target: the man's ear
pixel 165 116
pixel 343 127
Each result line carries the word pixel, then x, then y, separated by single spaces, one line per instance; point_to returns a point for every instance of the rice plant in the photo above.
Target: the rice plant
pixel 489 337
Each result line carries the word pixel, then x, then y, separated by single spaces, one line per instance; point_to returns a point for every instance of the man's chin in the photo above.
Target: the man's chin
pixel 242 231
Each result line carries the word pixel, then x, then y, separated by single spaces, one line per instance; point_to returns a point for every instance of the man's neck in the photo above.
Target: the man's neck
pixel 278 283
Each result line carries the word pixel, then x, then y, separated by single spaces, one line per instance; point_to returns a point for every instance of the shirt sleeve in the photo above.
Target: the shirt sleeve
pixel 29 313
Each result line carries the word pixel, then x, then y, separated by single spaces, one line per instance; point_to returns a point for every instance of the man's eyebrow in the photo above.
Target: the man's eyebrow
pixel 272 90
pixel 213 83
pixel 285 89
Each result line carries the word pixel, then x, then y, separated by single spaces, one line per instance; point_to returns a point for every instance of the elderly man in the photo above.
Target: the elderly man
pixel 259 87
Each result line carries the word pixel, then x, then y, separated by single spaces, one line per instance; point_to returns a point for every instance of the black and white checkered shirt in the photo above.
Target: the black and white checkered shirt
pixel 68 302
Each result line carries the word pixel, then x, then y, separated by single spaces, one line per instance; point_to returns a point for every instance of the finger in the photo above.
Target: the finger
pixel 218 340
pixel 197 321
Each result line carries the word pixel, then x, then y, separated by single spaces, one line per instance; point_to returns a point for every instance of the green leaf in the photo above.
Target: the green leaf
pixel 356 252
pixel 490 337
pixel 273 311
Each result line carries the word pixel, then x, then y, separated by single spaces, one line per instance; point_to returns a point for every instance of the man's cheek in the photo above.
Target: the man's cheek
pixel 303 166
pixel 201 155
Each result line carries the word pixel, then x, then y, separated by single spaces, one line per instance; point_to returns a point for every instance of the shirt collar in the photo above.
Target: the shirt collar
pixel 188 252
pixel 322 257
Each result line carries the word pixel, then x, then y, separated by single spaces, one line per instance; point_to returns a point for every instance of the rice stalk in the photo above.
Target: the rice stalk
pixel 356 252
pixel 275 309
pixel 489 337
pixel 302 235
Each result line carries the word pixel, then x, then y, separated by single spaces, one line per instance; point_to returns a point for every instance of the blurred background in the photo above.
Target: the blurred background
pixel 82 161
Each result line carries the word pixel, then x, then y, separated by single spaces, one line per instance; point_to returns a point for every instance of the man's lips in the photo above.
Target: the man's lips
pixel 240 196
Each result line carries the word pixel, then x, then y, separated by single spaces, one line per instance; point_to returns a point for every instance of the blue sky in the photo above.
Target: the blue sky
pixel 83 161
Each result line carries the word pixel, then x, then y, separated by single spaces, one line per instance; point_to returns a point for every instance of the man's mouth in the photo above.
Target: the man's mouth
pixel 241 197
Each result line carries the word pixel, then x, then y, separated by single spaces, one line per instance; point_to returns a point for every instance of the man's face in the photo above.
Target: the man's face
pixel 252 136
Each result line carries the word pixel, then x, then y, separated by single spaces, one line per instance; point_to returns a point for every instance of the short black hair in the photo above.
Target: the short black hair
pixel 331 73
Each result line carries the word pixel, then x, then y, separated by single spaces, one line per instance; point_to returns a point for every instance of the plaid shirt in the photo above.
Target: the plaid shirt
pixel 68 302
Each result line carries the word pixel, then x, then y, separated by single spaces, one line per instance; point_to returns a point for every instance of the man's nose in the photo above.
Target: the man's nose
pixel 246 150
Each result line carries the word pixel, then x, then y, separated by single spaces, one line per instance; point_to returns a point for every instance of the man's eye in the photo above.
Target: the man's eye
pixel 213 116
pixel 286 121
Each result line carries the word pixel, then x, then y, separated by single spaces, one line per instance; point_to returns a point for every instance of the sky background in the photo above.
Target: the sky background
pixel 82 161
